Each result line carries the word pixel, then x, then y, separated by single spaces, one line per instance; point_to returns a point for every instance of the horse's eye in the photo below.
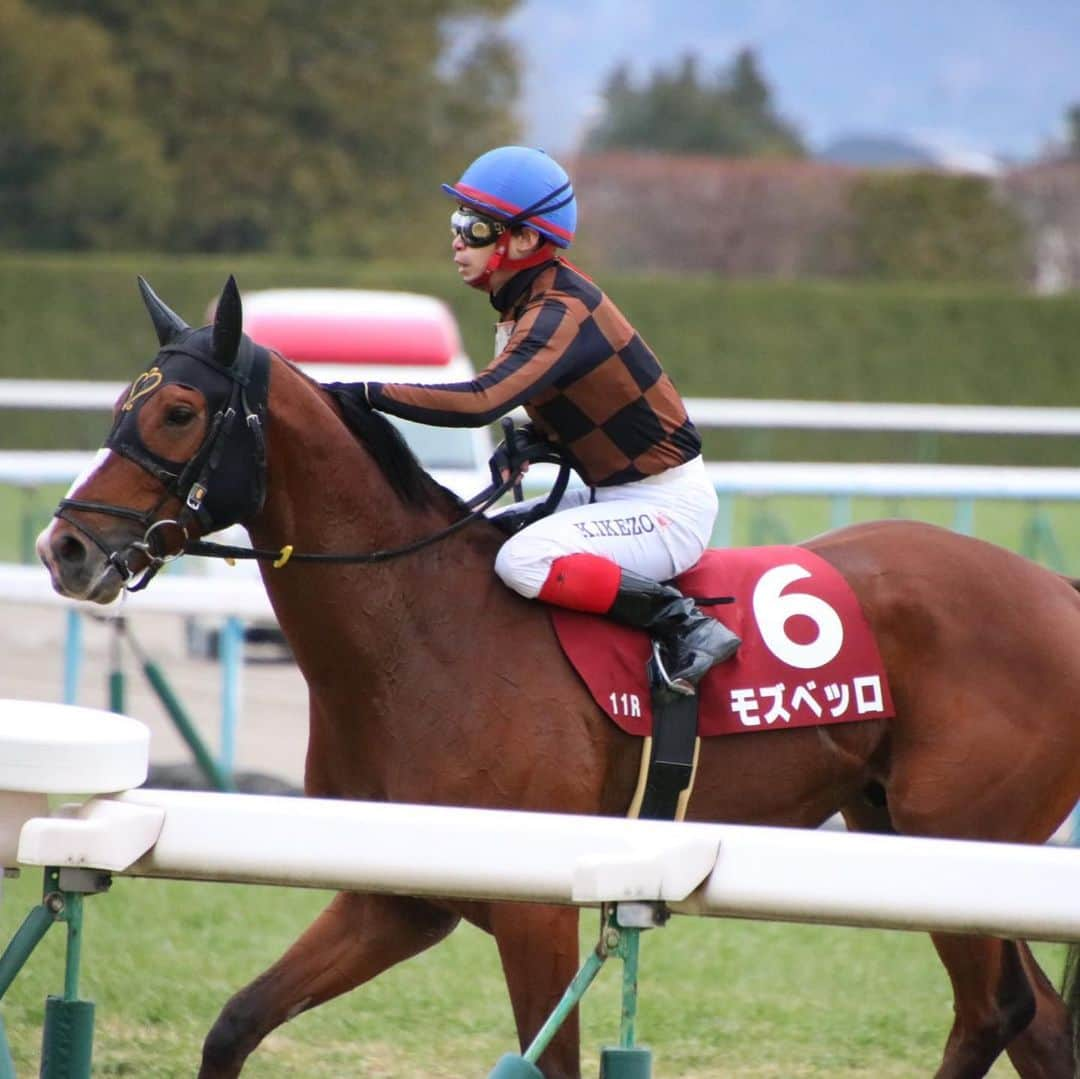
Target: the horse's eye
pixel 179 415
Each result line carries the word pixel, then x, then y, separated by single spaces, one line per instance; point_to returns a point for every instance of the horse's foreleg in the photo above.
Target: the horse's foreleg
pixel 355 938
pixel 538 947
pixel 1043 1049
pixel 993 1001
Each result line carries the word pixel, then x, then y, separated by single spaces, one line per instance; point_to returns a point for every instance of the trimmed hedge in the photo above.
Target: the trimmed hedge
pixel 81 317
pixel 926 226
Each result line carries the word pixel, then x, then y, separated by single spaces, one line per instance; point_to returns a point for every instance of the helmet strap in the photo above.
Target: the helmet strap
pixel 500 261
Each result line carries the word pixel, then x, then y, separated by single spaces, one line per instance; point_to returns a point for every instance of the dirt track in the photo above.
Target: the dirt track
pixel 271 735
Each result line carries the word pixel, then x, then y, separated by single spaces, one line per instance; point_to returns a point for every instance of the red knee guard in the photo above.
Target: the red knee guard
pixel 582 582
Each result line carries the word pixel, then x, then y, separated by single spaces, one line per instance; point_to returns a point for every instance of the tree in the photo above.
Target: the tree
pixel 1072 129
pixel 78 168
pixel 679 112
pixel 301 127
pixel 928 226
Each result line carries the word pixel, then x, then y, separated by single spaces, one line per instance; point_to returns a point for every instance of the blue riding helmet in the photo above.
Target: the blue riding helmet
pixel 521 186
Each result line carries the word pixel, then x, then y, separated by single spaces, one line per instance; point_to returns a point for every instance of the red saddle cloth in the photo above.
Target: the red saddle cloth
pixel 808 655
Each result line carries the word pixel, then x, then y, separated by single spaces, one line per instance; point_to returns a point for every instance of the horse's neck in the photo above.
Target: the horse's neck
pixel 326 494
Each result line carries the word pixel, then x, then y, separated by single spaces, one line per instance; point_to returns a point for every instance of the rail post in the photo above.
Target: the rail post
pixel 620 936
pixel 73 645
pixel 68 1035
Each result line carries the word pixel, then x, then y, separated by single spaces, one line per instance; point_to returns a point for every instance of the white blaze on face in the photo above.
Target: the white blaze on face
pixel 99 459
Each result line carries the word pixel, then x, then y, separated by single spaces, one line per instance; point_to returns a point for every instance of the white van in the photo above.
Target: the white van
pixel 355 335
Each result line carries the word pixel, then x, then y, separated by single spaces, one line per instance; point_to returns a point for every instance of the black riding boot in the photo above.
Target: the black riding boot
pixel 691 641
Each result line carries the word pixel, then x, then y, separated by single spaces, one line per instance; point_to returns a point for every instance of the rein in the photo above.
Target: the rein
pixel 488 497
pixel 476 505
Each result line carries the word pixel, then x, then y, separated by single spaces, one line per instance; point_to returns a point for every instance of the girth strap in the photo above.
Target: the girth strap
pixel 669 756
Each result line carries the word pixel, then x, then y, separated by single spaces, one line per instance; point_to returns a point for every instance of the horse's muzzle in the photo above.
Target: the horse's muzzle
pixel 77 568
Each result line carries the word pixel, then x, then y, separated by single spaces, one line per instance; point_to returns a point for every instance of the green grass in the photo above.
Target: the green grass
pixel 717 998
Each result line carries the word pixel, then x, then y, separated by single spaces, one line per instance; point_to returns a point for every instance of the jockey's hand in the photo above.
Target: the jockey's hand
pixel 504 474
pixel 510 458
pixel 357 393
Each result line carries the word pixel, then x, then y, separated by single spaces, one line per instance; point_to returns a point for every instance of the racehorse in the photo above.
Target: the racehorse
pixel 431 682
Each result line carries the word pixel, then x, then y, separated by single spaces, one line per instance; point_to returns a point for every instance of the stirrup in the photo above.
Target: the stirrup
pixel 658 675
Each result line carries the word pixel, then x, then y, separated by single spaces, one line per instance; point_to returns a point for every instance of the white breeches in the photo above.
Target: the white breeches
pixel 658 527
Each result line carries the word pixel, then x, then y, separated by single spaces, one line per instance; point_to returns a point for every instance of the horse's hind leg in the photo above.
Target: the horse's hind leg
pixel 1002 1000
pixel 355 938
pixel 1043 1049
pixel 538 947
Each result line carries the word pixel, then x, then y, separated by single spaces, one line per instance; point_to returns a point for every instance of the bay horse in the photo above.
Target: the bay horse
pixel 431 682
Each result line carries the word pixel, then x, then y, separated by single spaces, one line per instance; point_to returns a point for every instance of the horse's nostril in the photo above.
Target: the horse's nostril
pixel 70 550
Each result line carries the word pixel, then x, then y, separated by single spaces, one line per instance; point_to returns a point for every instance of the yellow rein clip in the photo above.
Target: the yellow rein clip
pixel 286 554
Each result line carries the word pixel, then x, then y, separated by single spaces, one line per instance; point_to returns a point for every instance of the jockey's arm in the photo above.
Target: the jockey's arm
pixel 534 357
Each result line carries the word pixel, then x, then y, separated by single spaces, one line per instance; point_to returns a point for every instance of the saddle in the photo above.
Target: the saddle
pixel 808 658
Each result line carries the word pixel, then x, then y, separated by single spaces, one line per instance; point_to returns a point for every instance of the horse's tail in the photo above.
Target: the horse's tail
pixel 1070 993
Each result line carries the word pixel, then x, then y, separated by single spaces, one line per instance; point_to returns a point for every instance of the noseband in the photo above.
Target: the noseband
pixel 206 490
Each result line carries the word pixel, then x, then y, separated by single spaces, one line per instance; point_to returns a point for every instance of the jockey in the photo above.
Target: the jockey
pixel 593 389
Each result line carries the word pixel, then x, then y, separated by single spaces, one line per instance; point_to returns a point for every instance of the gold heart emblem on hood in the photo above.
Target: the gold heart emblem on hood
pixel 145 384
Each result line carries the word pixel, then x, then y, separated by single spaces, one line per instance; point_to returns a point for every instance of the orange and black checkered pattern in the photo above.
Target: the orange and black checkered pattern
pixel 585 377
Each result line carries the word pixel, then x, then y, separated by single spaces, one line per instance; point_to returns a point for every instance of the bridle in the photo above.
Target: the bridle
pixel 205 490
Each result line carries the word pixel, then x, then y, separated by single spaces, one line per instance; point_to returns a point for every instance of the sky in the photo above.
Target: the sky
pixel 978 77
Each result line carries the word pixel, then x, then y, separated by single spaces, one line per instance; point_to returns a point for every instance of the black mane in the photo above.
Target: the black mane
pixel 391 452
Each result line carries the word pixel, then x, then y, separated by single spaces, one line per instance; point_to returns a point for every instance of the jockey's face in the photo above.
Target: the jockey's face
pixel 470 261
pixel 471 256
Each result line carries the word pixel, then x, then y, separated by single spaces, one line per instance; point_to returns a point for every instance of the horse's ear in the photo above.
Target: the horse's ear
pixel 228 324
pixel 168 324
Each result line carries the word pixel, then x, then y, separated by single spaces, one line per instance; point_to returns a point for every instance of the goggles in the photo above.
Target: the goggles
pixel 475 229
